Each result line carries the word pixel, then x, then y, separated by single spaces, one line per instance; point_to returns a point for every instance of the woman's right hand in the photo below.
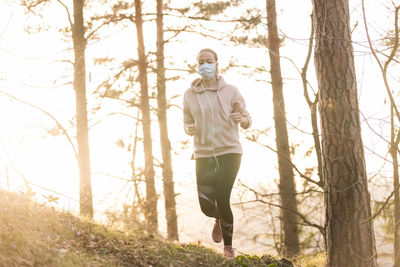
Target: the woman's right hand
pixel 191 129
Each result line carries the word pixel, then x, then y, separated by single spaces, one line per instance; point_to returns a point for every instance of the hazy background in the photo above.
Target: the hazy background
pixel 34 67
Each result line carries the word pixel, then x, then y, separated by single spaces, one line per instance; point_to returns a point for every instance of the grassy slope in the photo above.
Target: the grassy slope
pixel 33 234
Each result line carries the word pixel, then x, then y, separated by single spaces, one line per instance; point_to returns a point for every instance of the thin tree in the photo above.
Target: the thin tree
pixel 349 242
pixel 312 105
pixel 169 191
pixel 394 134
pixel 394 150
pixel 151 196
pixel 79 41
pixel 287 188
pixel 81 33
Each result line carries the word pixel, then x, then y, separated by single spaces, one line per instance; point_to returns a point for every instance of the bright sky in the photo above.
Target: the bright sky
pixel 31 69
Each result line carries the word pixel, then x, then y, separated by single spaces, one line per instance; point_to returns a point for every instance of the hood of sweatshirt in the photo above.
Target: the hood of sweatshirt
pixel 197 88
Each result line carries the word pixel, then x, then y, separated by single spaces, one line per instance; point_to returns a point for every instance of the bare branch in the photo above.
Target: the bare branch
pixel 372 129
pixel 130 102
pixel 318 183
pixel 27 183
pixel 205 35
pixel 68 14
pixel 305 67
pixel 312 105
pixel 117 177
pixel 177 32
pixel 112 19
pixel 386 64
pixel 49 115
pixel 383 205
pixel 278 194
pixel 113 114
pixel 6 26
pixel 261 69
pixel 396 38
pixel 301 216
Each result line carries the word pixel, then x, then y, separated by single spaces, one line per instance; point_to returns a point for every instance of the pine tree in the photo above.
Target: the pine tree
pixel 169 191
pixel 151 195
pixel 287 188
pixel 349 242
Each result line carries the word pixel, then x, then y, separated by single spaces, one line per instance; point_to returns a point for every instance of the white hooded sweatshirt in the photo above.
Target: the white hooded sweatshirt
pixel 210 110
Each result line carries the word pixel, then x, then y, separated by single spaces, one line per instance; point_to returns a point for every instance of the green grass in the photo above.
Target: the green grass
pixel 32 234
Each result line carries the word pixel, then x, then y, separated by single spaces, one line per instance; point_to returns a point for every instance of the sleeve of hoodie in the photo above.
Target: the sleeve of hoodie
pixel 238 101
pixel 187 114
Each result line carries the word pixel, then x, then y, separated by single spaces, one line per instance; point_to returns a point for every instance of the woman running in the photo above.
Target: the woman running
pixel 213 111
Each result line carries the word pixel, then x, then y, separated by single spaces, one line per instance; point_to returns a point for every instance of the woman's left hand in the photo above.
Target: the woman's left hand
pixel 236 117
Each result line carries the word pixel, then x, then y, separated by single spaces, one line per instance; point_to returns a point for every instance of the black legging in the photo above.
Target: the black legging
pixel 214 186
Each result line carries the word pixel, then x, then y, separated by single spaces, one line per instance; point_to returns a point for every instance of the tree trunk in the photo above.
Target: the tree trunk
pixel 169 191
pixel 151 197
pixel 396 210
pixel 138 198
pixel 78 31
pixel 394 146
pixel 350 237
pixel 287 188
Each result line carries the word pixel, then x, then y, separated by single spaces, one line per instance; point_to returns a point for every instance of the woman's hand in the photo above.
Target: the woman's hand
pixel 191 129
pixel 236 117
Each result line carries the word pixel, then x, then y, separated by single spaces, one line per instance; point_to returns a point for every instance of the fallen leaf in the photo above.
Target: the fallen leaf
pixel 25 262
pixel 92 244
pixel 63 250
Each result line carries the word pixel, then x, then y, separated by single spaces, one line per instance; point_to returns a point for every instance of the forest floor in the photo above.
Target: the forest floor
pixel 34 234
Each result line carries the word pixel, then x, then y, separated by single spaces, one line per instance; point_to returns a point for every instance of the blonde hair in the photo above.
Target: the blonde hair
pixel 208 50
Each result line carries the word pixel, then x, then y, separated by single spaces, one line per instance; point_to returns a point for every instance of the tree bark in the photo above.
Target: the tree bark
pixel 396 210
pixel 394 146
pixel 79 41
pixel 349 242
pixel 151 196
pixel 287 188
pixel 168 183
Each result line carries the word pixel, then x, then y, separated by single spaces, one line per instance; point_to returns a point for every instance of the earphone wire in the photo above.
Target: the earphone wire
pixel 213 128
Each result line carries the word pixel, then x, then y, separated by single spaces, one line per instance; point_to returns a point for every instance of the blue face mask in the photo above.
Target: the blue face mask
pixel 207 70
